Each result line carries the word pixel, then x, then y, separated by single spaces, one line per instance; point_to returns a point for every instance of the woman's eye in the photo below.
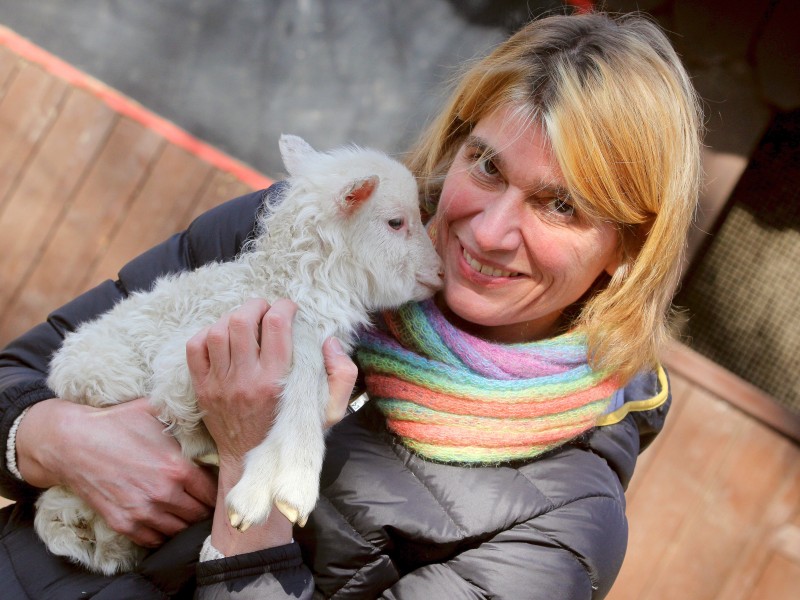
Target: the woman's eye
pixel 396 223
pixel 562 207
pixel 482 163
pixel 487 166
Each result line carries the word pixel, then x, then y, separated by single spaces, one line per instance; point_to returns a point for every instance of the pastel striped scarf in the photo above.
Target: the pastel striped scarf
pixel 455 398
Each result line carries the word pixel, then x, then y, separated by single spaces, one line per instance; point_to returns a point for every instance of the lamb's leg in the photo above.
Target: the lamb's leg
pixel 285 467
pixel 71 528
pixel 94 366
pixel 173 396
pixel 98 365
pixel 68 526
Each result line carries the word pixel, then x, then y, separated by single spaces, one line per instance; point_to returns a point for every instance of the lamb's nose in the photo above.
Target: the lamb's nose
pixel 433 281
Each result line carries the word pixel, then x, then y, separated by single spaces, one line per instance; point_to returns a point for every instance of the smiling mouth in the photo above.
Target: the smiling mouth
pixel 485 269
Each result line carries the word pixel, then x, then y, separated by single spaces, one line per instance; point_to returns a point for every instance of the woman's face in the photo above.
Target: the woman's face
pixel 516 251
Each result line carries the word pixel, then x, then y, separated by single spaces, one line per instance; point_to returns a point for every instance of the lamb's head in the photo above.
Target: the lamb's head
pixel 370 221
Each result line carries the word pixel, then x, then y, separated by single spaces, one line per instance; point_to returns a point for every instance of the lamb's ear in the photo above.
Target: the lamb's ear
pixel 357 192
pixel 294 151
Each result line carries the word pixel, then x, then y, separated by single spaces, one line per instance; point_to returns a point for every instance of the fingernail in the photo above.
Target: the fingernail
pixel 336 346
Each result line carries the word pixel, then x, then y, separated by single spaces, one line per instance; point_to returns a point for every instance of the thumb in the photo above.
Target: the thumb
pixel 144 405
pixel 342 375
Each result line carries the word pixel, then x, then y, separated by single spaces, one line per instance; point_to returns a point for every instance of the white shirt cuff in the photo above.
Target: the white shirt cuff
pixel 208 552
pixel 11 446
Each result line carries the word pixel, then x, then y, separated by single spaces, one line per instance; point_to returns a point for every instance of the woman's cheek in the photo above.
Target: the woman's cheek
pixel 549 256
pixel 457 194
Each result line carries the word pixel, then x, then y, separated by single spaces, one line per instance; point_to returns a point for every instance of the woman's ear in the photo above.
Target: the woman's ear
pixel 631 238
pixel 616 259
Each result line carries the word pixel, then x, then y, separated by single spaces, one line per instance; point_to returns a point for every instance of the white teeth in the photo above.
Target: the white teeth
pixel 485 269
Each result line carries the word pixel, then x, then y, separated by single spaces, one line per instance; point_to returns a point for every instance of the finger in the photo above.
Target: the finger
pixel 342 375
pixel 188 510
pixel 201 486
pixel 245 330
pixel 143 404
pixel 145 536
pixel 219 350
pixel 139 527
pixel 197 357
pixel 169 524
pixel 276 339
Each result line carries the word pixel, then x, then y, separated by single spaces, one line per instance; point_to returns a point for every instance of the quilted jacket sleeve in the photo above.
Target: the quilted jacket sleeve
pixel 273 573
pixel 216 235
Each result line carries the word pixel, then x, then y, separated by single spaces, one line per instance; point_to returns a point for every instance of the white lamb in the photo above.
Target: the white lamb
pixel 346 240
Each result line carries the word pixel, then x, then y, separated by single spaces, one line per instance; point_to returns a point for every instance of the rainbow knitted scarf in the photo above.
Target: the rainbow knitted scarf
pixel 455 398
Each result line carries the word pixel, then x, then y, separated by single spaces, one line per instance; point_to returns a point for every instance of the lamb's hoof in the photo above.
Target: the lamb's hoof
pixel 210 459
pixel 237 521
pixel 234 518
pixel 291 513
pixel 244 526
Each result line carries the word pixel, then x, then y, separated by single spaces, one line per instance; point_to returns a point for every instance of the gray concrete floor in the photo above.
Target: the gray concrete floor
pixel 238 73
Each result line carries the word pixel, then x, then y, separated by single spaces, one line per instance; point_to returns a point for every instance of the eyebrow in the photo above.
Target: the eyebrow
pixel 484 147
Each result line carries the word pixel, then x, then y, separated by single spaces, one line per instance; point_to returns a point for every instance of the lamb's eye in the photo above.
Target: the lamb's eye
pixel 395 223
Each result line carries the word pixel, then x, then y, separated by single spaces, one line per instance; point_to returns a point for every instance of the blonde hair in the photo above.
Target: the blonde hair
pixel 625 125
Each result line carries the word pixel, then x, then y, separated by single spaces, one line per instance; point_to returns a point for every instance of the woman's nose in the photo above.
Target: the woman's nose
pixel 497 225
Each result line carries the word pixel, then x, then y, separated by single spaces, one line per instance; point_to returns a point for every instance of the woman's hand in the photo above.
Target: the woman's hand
pixel 237 365
pixel 237 368
pixel 120 461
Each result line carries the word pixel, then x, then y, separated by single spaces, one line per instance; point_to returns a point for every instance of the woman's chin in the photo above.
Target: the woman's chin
pixel 468 311
pixel 490 320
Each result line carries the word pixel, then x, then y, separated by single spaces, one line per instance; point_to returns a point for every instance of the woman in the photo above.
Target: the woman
pixel 505 416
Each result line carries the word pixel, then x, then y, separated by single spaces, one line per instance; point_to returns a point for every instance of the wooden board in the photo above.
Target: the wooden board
pixel 46 188
pixel 9 63
pixel 709 512
pixel 158 210
pixel 29 106
pixel 88 180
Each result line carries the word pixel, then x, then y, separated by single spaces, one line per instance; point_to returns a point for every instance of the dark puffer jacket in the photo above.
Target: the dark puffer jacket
pixel 388 524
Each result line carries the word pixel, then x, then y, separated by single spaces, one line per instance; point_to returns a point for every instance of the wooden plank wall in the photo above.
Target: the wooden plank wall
pixel 84 188
pixel 714 506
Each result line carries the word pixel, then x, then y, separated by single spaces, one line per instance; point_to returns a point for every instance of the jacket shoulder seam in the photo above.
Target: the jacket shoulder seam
pixel 347 522
pixel 349 579
pixel 557 543
pixel 407 466
pixel 584 567
pixel 361 537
